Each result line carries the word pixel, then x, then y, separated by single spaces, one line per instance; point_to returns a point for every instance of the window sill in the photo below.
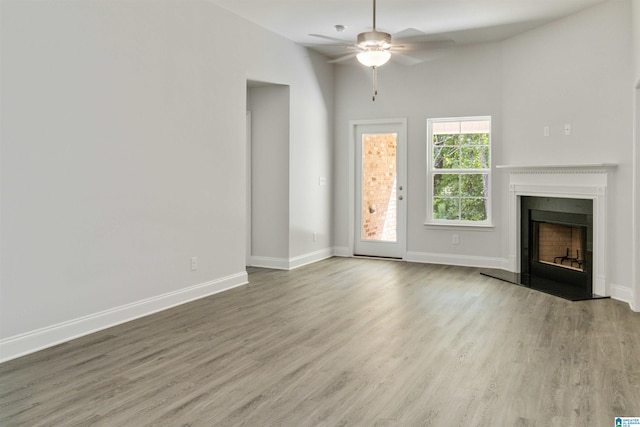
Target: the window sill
pixel 480 227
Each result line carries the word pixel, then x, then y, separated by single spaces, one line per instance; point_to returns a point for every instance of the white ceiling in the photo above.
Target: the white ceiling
pixel 463 21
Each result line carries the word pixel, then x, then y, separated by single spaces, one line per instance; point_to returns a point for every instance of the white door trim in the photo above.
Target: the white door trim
pixel 249 218
pixel 402 176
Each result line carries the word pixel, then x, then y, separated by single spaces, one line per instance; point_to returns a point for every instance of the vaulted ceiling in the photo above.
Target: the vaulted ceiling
pixel 460 21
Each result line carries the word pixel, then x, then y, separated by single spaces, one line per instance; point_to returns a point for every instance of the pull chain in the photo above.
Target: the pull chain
pixel 374 71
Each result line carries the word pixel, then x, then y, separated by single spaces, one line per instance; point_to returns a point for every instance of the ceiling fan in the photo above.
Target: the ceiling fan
pixel 374 48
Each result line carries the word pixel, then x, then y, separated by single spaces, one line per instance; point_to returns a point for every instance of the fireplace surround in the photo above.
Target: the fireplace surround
pixel 556 245
pixel 588 182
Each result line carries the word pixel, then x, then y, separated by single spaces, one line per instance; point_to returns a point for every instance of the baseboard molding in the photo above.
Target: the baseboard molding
pixel 30 342
pixel 270 262
pixel 291 263
pixel 342 251
pixel 622 294
pixel 458 260
pixel 310 258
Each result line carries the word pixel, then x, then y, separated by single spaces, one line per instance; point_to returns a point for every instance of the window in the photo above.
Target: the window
pixel 459 172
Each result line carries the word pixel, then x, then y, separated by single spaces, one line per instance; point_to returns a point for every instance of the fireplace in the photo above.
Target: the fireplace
pixel 556 239
pixel 580 264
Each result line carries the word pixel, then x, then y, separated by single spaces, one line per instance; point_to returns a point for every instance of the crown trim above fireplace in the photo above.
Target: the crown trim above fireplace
pixel 584 181
pixel 575 168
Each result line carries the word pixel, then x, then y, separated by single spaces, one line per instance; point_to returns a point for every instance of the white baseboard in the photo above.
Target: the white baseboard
pixel 622 294
pixel 459 260
pixel 30 342
pixel 310 258
pixel 269 262
pixel 342 251
pixel 291 263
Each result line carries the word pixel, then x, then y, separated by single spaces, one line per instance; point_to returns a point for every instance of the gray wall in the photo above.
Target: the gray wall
pixel 269 106
pixel 635 19
pixel 577 71
pixel 635 6
pixel 123 155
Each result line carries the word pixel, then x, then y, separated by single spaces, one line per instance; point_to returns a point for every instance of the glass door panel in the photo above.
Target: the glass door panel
pixel 379 182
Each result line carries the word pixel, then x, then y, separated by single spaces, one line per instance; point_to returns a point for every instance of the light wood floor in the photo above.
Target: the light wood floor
pixel 344 342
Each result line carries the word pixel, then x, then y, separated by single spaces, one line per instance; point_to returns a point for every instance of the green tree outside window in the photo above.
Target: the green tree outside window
pixel 460 169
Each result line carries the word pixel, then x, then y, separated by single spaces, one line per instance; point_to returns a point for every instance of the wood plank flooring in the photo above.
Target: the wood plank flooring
pixel 344 342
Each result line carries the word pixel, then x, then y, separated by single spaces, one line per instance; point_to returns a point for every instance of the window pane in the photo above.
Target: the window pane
pixel 446 139
pixel 439 128
pixel 446 158
pixel 474 185
pixel 475 138
pixel 474 209
pixel 474 158
pixel 446 185
pixel 446 208
pixel 479 126
pixel 378 216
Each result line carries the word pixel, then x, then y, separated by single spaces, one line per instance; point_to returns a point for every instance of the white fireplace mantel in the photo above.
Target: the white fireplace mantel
pixel 578 181
pixel 561 168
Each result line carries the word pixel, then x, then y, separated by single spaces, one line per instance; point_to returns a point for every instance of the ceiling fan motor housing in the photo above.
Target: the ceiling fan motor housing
pixel 373 39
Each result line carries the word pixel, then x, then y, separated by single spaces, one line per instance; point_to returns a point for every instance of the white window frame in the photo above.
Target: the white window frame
pixel 431 171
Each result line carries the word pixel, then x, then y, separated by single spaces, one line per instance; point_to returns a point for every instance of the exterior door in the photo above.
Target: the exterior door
pixel 380 188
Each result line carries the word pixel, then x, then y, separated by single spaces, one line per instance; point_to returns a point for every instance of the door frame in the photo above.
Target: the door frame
pixel 248 177
pixel 401 176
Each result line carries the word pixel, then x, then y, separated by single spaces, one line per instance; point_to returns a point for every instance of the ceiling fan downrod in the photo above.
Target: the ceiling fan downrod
pixel 374 15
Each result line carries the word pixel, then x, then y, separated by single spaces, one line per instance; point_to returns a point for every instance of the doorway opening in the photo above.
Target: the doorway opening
pixel 267 163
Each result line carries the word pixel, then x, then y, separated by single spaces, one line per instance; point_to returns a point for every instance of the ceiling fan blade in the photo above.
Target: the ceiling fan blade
pixel 420 46
pixel 333 39
pixel 411 35
pixel 413 57
pixel 343 58
pixel 404 59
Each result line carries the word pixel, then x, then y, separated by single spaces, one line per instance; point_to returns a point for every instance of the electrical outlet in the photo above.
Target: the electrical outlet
pixel 567 129
pixel 455 239
pixel 315 236
pixel 545 131
pixel 194 263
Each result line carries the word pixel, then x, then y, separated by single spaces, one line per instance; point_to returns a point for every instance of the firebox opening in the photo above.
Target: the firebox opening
pixel 556 245
pixel 560 245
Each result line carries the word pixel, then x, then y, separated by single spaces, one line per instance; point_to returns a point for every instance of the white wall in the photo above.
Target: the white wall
pixel 577 71
pixel 310 79
pixel 467 82
pixel 636 211
pixel 123 155
pixel 311 158
pixel 269 106
pixel 635 22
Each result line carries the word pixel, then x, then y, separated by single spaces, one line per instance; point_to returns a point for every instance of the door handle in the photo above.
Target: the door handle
pixel 400 197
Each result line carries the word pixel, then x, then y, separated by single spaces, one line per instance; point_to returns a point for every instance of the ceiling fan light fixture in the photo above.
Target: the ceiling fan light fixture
pixel 374 57
pixel 374 38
